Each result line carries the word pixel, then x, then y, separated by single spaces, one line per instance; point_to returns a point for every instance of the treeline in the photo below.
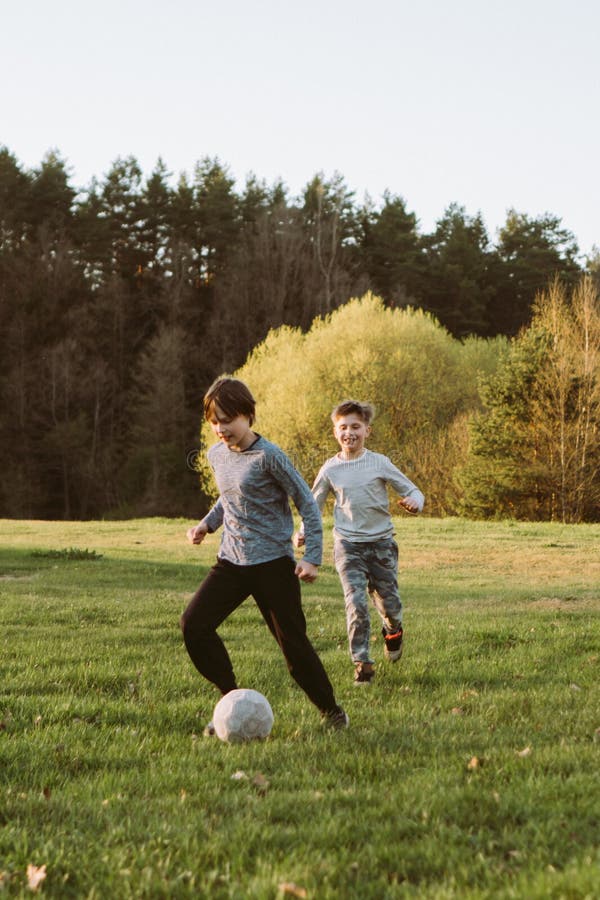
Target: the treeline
pixel 120 302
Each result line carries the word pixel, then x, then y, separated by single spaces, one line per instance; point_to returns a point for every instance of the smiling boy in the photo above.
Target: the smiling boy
pixel 365 552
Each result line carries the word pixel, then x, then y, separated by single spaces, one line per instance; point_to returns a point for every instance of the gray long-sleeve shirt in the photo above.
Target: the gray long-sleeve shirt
pixel 253 506
pixel 361 511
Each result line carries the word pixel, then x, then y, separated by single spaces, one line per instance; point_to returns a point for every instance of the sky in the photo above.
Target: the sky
pixel 494 106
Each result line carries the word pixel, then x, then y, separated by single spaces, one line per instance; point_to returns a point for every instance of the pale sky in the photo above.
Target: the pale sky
pixel 490 105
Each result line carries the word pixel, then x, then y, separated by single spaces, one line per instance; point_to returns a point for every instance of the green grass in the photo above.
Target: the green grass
pixel 470 768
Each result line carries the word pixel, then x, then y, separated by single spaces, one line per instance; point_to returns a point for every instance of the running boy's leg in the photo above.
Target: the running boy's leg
pixel 276 589
pixel 383 583
pixel 222 591
pixel 352 570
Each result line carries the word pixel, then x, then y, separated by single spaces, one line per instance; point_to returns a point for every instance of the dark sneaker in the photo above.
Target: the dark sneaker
pixel 337 719
pixel 393 644
pixel 209 730
pixel 364 673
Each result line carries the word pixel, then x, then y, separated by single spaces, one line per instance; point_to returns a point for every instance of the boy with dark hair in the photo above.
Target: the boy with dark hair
pixel 365 553
pixel 255 479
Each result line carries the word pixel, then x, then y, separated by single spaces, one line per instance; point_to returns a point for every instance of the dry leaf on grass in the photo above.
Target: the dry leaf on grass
pixel 526 751
pixel 35 876
pixel 475 762
pixel 260 783
pixel 289 889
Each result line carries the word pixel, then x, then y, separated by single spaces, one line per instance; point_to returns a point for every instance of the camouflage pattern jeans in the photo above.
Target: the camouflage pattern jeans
pixel 368 569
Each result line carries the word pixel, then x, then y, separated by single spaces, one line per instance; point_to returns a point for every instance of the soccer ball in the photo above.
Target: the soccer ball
pixel 242 715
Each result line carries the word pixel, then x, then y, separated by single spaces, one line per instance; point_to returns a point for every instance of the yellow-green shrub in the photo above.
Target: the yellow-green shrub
pixel 421 380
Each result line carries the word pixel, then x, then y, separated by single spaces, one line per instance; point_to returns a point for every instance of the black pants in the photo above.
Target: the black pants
pixel 276 590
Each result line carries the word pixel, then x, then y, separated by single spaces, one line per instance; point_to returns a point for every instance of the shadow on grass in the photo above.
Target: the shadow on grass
pixel 24 565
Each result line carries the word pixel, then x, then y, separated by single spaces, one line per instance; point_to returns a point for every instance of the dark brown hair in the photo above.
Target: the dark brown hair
pixel 232 396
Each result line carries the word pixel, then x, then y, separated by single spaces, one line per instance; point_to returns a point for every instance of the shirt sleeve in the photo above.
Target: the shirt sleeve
pixel 296 488
pixel 321 488
pixel 403 485
pixel 214 517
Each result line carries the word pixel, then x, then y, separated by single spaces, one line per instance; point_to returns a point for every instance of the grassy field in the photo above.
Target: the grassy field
pixel 470 768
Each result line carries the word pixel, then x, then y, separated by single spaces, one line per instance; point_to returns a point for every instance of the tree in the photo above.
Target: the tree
pixel 266 285
pixel 121 207
pixel 457 288
pixel 330 228
pixel 155 224
pixel 63 429
pixel 391 251
pixel 566 403
pixel 257 199
pixel 39 297
pixel 592 266
pixel 536 450
pixel 52 197
pixel 500 478
pixel 531 253
pixel 217 223
pixel 155 477
pixel 15 191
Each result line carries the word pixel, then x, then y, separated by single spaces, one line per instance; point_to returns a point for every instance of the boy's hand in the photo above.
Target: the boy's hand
pixel 196 534
pixel 306 571
pixel 409 504
pixel 298 539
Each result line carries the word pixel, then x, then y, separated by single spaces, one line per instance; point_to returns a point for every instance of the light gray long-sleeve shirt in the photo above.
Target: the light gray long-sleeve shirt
pixel 361 510
pixel 253 506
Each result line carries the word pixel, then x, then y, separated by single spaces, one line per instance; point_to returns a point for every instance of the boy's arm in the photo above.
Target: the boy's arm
pixel 320 491
pixel 306 571
pixel 409 504
pixel 211 521
pixel 311 524
pixel 411 497
pixel 321 488
pixel 305 503
pixel 196 533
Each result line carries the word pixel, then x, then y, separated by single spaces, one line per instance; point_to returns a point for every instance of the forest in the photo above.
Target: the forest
pixel 122 300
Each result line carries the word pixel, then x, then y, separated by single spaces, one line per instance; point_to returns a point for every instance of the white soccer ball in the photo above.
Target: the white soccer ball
pixel 242 715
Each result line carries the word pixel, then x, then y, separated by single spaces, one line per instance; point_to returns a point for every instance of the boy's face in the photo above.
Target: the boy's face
pixel 235 432
pixel 351 433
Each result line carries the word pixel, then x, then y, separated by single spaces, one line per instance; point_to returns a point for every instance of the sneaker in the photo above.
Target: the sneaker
pixel 337 719
pixel 393 644
pixel 209 730
pixel 364 673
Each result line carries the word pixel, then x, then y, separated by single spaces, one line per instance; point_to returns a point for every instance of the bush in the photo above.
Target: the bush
pixel 422 381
